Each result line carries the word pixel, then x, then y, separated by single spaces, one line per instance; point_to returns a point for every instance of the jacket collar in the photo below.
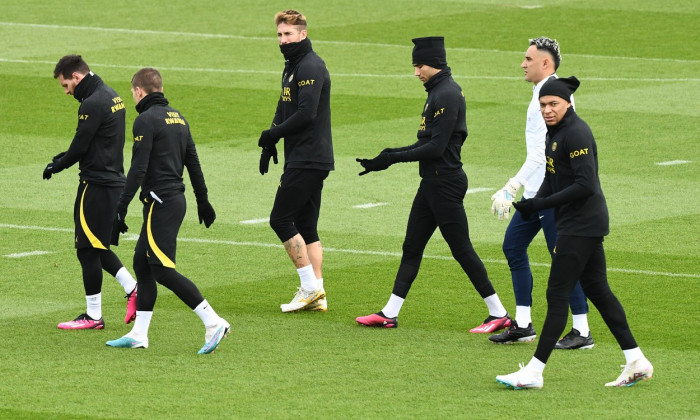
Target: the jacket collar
pixel 439 77
pixel 87 86
pixel 153 98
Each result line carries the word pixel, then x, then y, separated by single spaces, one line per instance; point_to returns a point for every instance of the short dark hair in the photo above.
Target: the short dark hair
pixel 550 46
pixel 148 79
pixel 291 17
pixel 69 64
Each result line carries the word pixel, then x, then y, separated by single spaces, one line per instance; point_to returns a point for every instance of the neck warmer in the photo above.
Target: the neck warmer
pixel 443 74
pixel 295 50
pixel 86 86
pixel 154 98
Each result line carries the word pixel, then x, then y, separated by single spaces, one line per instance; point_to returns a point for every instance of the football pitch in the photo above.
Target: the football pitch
pixel 639 66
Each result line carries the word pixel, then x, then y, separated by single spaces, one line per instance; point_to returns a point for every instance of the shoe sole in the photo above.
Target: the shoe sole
pixel 645 378
pixel 588 347
pixel 378 325
pixel 99 327
pixel 282 306
pixel 508 385
pixel 519 340
pixel 481 329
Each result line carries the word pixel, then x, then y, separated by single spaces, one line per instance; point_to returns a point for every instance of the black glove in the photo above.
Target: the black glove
pixel 57 157
pixel 379 163
pixel 267 153
pixel 119 221
pixel 266 140
pixel 48 171
pixel 206 213
pixel 528 207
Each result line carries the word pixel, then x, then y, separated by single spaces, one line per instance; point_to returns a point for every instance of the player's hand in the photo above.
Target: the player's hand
pixel 48 171
pixel 119 221
pixel 503 199
pixel 266 140
pixel 527 207
pixel 57 157
pixel 206 213
pixel 265 155
pixel 500 207
pixel 379 163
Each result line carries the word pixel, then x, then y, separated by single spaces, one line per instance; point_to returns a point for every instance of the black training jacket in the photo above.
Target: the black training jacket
pixel 98 143
pixel 303 115
pixel 442 130
pixel 571 183
pixel 163 146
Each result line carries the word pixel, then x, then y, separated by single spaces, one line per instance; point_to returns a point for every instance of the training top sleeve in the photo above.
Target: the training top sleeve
pixel 311 79
pixel 194 169
pixel 89 119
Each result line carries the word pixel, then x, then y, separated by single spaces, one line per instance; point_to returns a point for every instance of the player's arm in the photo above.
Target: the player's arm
pixel 89 120
pixel 311 79
pixel 194 169
pixel 205 211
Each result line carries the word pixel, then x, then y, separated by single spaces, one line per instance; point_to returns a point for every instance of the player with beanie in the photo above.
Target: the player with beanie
pixel 571 186
pixel 439 200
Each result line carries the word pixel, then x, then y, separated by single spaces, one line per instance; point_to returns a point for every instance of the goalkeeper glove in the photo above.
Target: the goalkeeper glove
pixel 503 199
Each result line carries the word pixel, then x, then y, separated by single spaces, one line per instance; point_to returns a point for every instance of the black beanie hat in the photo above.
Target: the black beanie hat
pixel 562 88
pixel 430 51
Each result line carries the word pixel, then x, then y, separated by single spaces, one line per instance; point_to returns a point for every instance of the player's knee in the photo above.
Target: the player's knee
pixel 141 268
pixel 283 227
pixel 310 235
pixel 162 274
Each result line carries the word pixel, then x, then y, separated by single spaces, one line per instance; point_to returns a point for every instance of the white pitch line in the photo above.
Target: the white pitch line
pixel 478 190
pixel 359 75
pixel 369 205
pixel 673 162
pixel 317 41
pixel 27 254
pixel 356 251
pixel 255 221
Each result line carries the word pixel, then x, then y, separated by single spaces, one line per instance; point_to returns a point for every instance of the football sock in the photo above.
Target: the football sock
pixel 206 313
pixel 94 306
pixel 535 365
pixel 495 306
pixel 522 316
pixel 319 282
pixel 393 307
pixel 126 280
pixel 632 354
pixel 141 324
pixel 581 324
pixel 307 277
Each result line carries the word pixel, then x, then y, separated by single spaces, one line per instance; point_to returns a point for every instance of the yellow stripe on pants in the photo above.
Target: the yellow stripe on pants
pixel 96 243
pixel 161 256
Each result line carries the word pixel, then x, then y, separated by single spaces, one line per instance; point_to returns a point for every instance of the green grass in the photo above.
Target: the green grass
pixel 639 65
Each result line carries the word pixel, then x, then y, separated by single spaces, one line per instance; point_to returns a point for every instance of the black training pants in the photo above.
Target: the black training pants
pixel 583 258
pixel 439 203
